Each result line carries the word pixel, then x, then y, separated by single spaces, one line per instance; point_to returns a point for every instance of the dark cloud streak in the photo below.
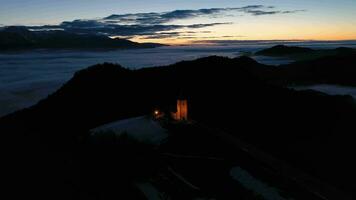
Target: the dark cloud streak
pixel 165 17
pixel 262 12
pixel 95 27
pixel 152 24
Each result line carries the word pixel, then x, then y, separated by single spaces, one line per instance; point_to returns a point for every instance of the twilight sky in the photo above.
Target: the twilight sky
pixel 186 21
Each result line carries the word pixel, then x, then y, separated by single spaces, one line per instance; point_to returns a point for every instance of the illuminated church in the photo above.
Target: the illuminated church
pixel 182 111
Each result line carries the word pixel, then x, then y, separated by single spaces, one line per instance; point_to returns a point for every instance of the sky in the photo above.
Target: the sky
pixel 188 21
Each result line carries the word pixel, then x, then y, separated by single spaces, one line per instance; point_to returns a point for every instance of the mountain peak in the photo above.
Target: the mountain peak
pixel 281 50
pixel 16 29
pixel 245 60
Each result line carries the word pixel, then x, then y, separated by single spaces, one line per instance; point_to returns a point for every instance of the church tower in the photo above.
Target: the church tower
pixel 182 110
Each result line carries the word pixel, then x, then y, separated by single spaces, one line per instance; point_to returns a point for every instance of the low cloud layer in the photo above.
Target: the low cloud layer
pixel 158 25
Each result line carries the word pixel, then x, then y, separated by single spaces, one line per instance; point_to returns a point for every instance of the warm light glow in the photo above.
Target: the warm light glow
pixel 272 28
pixel 182 111
pixel 305 35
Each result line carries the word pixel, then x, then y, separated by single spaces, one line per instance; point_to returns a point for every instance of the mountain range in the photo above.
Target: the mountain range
pixel 303 53
pixel 19 38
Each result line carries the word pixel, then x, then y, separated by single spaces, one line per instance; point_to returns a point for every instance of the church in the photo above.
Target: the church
pixel 181 113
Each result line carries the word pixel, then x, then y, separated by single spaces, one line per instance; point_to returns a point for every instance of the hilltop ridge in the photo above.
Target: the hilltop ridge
pixel 18 38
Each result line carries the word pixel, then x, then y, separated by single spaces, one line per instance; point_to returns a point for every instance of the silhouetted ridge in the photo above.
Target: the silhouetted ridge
pixel 339 69
pixel 281 50
pixel 345 50
pixel 12 38
pixel 16 29
pixel 245 60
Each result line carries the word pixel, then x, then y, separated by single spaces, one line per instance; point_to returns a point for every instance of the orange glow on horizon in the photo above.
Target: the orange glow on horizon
pixel 270 30
pixel 178 42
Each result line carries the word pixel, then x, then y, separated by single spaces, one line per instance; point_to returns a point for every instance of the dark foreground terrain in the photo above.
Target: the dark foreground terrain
pixel 50 154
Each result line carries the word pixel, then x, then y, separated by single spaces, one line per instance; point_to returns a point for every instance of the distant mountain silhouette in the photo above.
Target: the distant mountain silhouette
pixel 310 130
pixel 303 53
pixel 282 50
pixel 329 70
pixel 14 38
pixel 338 69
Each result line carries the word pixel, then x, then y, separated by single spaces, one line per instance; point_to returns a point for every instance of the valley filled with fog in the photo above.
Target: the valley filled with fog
pixel 28 76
